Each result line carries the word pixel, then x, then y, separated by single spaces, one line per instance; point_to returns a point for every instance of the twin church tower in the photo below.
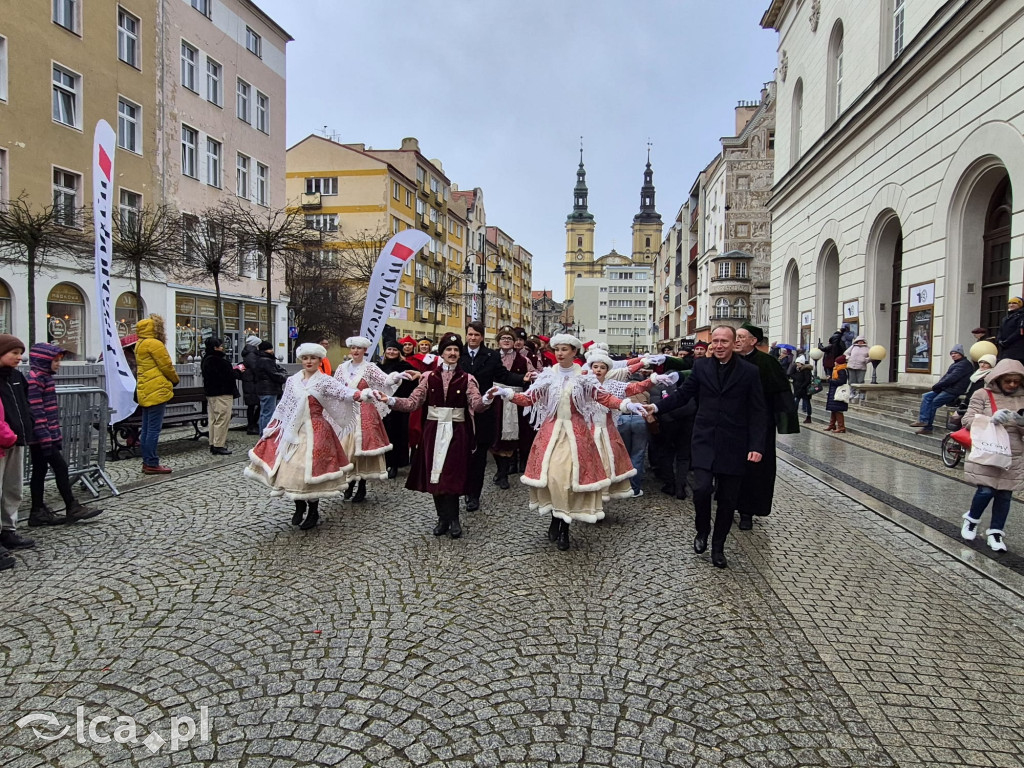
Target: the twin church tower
pixel 579 233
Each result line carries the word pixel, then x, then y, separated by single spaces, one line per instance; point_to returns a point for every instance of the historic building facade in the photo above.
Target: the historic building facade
pixel 898 149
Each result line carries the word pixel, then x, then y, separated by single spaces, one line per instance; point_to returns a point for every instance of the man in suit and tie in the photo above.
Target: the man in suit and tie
pixel 484 364
pixel 728 433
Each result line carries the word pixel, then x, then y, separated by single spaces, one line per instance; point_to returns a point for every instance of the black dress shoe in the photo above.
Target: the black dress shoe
pixel 311 520
pixel 455 528
pixel 554 528
pixel 472 503
pixel 700 544
pixel 392 473
pixel 718 557
pixel 348 491
pixel 746 522
pixel 442 527
pixel 220 452
pixel 563 536
pixel 360 495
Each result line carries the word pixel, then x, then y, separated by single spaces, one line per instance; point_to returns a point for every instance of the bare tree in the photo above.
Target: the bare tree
pixel 444 293
pixel 209 250
pixel 37 236
pixel 272 233
pixel 323 302
pixel 146 241
pixel 358 251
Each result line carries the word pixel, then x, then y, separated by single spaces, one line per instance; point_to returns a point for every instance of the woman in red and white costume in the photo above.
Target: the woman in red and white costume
pixel 565 472
pixel 609 442
pixel 300 455
pixel 368 443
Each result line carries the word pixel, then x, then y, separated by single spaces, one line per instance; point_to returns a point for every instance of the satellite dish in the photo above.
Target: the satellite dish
pixel 690 310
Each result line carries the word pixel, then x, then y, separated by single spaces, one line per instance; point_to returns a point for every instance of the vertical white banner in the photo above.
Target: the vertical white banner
pixel 120 382
pixel 387 273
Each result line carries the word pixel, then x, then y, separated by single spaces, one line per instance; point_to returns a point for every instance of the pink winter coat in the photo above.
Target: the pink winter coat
pixel 7 436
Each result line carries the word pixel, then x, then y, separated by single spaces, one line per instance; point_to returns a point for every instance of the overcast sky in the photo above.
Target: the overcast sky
pixel 501 91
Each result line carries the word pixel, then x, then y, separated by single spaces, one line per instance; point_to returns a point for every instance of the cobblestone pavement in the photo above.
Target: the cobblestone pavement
pixel 834 638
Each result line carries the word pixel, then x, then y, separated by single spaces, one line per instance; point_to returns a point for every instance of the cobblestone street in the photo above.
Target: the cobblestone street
pixel 834 638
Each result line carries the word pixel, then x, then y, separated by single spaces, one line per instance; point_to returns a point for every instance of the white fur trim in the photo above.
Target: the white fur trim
pixel 357 341
pixel 565 338
pixel 309 348
pixel 600 356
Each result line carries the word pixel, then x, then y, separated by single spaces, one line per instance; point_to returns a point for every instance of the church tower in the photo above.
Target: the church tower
pixel 579 234
pixel 647 224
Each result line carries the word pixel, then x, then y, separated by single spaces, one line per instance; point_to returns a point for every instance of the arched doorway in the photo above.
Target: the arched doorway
pixel 791 304
pixel 826 294
pixel 995 268
pixel 65 320
pixel 884 289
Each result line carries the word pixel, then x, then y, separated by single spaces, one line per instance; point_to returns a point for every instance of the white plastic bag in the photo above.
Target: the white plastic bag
pixel 843 393
pixel 990 444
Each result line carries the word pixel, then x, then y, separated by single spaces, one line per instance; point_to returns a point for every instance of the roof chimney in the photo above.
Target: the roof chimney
pixel 410 144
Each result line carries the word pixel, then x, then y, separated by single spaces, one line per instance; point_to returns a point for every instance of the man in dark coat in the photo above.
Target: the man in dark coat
pixel 1010 339
pixel 483 364
pixel 249 396
pixel 759 485
pixel 728 433
pixel 270 378
pixel 953 383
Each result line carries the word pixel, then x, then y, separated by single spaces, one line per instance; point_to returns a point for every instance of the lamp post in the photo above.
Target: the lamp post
pixel 876 355
pixel 816 355
pixel 482 285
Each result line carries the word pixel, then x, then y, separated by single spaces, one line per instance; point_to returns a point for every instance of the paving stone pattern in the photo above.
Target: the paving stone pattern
pixel 833 639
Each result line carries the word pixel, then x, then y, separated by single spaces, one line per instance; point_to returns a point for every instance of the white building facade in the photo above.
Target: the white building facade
pixel 615 308
pixel 898 147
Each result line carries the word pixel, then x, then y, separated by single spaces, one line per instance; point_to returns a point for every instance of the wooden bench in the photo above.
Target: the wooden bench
pixel 181 410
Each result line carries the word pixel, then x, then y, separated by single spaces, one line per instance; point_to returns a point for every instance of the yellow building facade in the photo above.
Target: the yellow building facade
pixel 360 197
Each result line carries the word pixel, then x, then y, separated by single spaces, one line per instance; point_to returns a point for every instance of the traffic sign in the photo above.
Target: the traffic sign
pixel 293 332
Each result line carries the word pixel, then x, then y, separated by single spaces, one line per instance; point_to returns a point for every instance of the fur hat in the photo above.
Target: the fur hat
pixel 565 338
pixel 599 356
pixel 450 340
pixel 357 341
pixel 520 333
pixel 506 330
pixel 393 344
pixel 315 350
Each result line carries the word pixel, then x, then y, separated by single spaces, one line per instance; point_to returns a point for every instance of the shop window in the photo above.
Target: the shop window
pixel 126 313
pixel 65 320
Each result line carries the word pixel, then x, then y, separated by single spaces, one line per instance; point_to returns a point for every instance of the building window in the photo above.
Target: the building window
pixel 262 172
pixel 66 93
pixel 3 69
pixel 242 176
pixel 127 38
pixel 128 209
pixel 262 112
pixel 742 230
pixel 128 134
pixel 408 199
pixel 189 150
pixel 213 149
pixel 797 122
pixel 65 13
pixel 3 175
pixel 647 242
pixel 243 91
pixel 203 6
pixel 65 320
pixel 65 197
pixel 741 269
pixel 327 185
pixel 722 308
pixel 898 24
pixel 253 42
pixel 834 94
pixel 188 66
pixel 214 92
pixel 739 309
pixel 396 190
pixel 723 269
pixel 325 222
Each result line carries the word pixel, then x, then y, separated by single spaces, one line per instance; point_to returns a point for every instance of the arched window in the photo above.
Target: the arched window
pixel 65 319
pixel 579 241
pixel 834 94
pixel 647 244
pixel 722 308
pixel 995 274
pixel 796 122
pixel 5 308
pixel 126 313
pixel 739 309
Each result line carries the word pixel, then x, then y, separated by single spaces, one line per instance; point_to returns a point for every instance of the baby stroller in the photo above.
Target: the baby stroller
pixel 952 451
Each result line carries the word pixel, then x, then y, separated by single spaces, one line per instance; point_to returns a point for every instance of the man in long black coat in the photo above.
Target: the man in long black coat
pixel 484 364
pixel 728 433
pixel 759 485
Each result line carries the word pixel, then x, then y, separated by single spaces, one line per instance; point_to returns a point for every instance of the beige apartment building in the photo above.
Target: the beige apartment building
pixel 359 197
pixel 150 68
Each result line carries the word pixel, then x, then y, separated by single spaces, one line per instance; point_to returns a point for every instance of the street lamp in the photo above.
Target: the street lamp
pixel 482 285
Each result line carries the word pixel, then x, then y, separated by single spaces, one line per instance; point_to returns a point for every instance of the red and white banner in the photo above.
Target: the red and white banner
pixel 120 382
pixel 387 274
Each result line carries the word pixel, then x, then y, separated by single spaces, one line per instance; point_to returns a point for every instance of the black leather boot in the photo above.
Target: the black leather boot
pixel 746 522
pixel 348 491
pixel 563 536
pixel 443 523
pixel 472 503
pixel 718 554
pixel 392 473
pixel 454 526
pixel 502 477
pixel 554 528
pixel 360 493
pixel 313 517
pixel 300 512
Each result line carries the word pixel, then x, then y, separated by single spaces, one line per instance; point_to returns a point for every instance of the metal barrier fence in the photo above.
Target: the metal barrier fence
pixel 84 414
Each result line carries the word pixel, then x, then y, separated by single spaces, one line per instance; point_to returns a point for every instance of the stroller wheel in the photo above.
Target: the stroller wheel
pixel 952 451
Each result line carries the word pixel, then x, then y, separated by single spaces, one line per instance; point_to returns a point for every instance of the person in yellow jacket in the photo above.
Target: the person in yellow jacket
pixel 156 380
